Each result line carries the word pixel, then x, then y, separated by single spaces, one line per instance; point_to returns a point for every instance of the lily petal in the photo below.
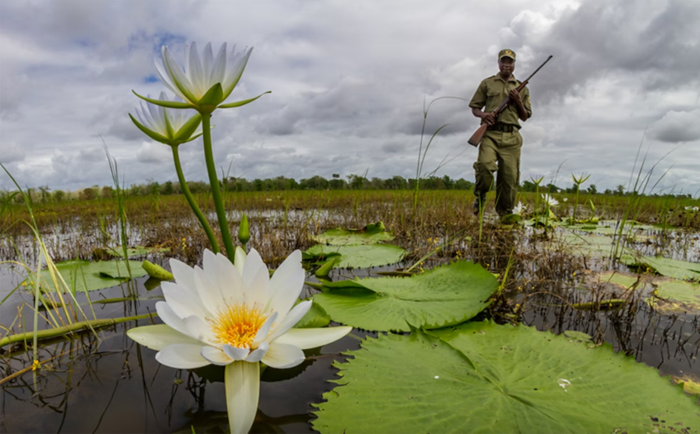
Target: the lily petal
pixel 199 329
pixel 285 287
pixel 281 356
pixel 265 329
pixel 184 274
pixel 312 337
pixel 215 356
pixel 182 356
pixel 290 320
pixel 209 292
pixel 242 381
pixel 226 276
pixel 183 302
pixel 157 337
pixel 257 355
pixel 195 72
pixel 178 77
pixel 234 352
pixel 165 312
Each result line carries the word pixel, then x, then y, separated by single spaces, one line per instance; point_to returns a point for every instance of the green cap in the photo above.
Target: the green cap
pixel 506 53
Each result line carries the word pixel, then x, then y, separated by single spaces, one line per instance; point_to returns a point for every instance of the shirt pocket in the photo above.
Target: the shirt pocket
pixel 492 93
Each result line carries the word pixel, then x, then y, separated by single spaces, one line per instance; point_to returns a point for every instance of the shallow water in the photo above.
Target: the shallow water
pixel 116 386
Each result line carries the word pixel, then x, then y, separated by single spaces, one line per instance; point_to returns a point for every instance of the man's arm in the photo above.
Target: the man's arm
pixel 487 118
pixel 523 113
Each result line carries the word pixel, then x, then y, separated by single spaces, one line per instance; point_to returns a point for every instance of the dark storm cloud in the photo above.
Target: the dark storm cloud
pixel 657 40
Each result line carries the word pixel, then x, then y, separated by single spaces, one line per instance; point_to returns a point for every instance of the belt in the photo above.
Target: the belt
pixel 503 127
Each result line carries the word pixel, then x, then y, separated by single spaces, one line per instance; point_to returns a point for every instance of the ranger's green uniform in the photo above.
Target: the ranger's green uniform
pixel 500 147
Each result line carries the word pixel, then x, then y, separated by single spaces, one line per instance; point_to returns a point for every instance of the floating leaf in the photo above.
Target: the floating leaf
pixel 85 275
pixel 483 377
pixel 617 278
pixel 588 245
pixel 675 296
pixel 443 296
pixel 371 234
pixel 666 267
pixel 360 256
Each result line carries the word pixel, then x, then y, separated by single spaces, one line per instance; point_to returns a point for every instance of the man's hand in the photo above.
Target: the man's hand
pixel 488 118
pixel 515 96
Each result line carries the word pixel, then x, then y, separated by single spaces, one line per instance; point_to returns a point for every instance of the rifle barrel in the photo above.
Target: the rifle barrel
pixel 528 79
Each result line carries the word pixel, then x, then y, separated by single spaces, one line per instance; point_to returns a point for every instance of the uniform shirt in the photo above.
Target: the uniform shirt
pixel 492 91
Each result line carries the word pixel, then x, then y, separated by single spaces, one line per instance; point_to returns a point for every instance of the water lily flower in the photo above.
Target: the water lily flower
pixel 171 127
pixel 206 81
pixel 519 208
pixel 234 316
pixel 549 200
pixel 692 208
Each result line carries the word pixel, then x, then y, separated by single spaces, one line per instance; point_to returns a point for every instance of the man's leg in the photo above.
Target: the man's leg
pixel 483 168
pixel 508 172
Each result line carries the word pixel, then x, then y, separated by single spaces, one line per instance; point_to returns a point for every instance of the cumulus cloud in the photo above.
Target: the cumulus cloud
pixel 152 152
pixel 677 126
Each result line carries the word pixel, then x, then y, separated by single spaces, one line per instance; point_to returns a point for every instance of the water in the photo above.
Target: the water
pixel 116 386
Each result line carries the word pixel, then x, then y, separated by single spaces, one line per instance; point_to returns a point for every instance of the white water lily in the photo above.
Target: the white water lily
pixel 205 81
pixel 692 208
pixel 172 127
pixel 549 200
pixel 234 316
pixel 519 208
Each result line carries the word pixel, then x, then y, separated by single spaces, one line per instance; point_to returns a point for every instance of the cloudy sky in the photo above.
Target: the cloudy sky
pixel 349 80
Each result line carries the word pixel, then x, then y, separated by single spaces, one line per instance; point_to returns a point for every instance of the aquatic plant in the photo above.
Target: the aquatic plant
pixel 204 84
pixel 237 317
pixel 578 180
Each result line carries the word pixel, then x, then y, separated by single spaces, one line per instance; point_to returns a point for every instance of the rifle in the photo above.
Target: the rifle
pixel 479 134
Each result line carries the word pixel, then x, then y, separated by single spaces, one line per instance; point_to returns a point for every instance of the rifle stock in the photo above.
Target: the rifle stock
pixel 476 138
pixel 478 135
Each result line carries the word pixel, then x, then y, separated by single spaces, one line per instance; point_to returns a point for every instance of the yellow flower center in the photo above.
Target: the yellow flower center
pixel 238 324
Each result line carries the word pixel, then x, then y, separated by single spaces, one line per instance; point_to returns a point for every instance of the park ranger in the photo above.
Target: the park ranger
pixel 500 146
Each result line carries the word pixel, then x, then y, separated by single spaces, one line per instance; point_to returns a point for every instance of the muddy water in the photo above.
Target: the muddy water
pixel 116 386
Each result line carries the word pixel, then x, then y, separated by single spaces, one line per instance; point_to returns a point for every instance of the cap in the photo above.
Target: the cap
pixel 506 53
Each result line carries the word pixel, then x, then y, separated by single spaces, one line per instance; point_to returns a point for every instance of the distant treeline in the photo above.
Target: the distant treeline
pixel 280 183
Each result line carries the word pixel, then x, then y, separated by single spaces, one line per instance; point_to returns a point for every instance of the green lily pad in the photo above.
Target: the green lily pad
pixel 370 234
pixel 618 278
pixel 675 296
pixel 483 377
pixel 359 256
pixel 446 295
pixel 588 245
pixel 90 276
pixel 666 267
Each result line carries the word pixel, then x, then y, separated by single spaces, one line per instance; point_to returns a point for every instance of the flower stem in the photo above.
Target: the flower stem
pixel 190 199
pixel 215 190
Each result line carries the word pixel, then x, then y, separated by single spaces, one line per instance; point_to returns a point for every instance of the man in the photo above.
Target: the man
pixel 500 147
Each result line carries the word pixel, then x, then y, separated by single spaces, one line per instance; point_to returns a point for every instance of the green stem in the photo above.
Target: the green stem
pixel 190 199
pixel 215 190
pixel 60 331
